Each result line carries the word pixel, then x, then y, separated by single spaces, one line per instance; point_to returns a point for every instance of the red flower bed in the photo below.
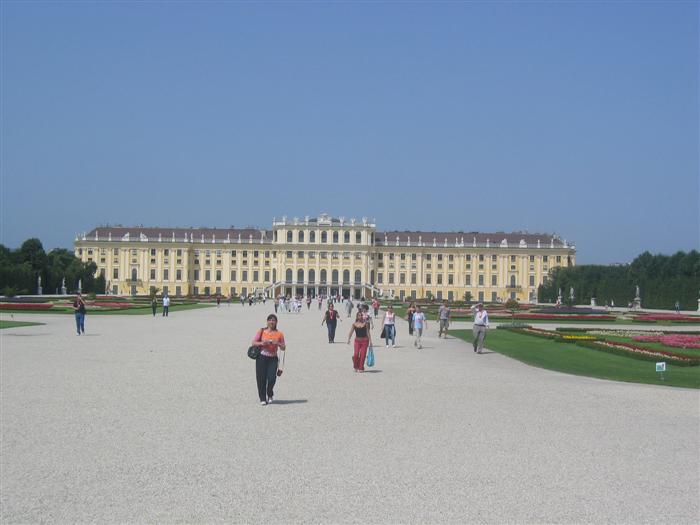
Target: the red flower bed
pixel 25 306
pixel 667 317
pixel 564 317
pixel 673 340
pixel 105 304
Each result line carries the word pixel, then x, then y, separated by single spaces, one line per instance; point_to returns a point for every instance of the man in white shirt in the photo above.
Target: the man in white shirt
pixel 481 324
pixel 419 324
pixel 166 305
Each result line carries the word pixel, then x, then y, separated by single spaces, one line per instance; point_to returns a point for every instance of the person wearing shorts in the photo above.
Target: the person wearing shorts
pixel 419 324
pixel 444 316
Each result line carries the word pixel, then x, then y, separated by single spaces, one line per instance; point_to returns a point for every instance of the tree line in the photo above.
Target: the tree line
pixel 662 280
pixel 20 268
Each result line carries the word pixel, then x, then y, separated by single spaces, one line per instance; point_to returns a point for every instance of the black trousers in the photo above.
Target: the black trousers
pixel 266 375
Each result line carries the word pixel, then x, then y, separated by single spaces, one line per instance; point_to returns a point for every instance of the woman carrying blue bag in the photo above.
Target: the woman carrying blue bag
pixel 363 341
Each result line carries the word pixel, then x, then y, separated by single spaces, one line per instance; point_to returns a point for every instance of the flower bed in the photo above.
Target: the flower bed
pixel 672 340
pixel 667 317
pixel 571 337
pixel 638 352
pixel 562 317
pixel 25 306
pixel 105 304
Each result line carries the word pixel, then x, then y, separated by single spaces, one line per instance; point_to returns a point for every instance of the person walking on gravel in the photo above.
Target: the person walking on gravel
pixel 79 309
pixel 444 316
pixel 269 339
pixel 481 324
pixel 419 324
pixel 389 326
pixel 331 318
pixel 363 338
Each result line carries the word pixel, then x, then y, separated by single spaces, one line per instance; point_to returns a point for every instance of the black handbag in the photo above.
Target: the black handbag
pixel 383 334
pixel 254 351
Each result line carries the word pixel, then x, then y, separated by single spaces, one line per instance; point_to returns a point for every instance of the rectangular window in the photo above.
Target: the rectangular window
pixel 179 253
pixel 153 274
pixel 428 278
pixel 558 258
pixel 494 297
pixel 115 251
pixel 218 275
pixel 207 275
pixel 115 273
pixel 532 280
pixel 468 280
pixel 267 276
pixel 512 258
pixel 494 258
pixel 245 276
pixel 439 278
pixel 165 275
pixel 289 255
pixel 450 279
pixel 380 278
pixel 481 297
pixel 153 252
pixel 439 257
pixel 233 276
pixel 414 278
pixel 545 258
pixel 428 257
pixel 494 280
pixel 469 257
pixel 256 275
pixel 178 275
pixel 494 267
pixel 481 280
pixel 166 252
pixel 402 278
pixel 196 277
pixel 532 258
pixel 391 278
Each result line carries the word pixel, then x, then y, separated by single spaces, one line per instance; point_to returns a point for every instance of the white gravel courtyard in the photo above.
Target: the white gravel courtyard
pixel 146 420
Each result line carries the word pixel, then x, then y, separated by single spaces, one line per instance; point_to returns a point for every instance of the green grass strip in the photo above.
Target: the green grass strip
pixel 577 360
pixel 14 324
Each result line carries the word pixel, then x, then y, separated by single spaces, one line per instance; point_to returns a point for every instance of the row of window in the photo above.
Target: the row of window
pixel 335 236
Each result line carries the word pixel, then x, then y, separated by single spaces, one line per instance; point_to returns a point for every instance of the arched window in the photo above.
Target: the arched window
pixel 312 236
pixel 346 276
pixel 134 274
pixel 312 275
pixel 324 276
pixel 300 236
pixel 512 280
pixel 300 276
pixel 358 238
pixel 335 237
pixel 289 236
pixel 288 275
pixel 358 277
pixel 346 237
pixel 324 236
pixel 334 276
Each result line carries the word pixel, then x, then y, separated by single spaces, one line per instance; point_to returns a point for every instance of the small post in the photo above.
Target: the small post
pixel 661 368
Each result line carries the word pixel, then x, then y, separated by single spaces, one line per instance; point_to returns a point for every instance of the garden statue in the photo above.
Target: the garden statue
pixel 38 285
pixel 571 293
pixel 63 287
pixel 80 285
pixel 637 303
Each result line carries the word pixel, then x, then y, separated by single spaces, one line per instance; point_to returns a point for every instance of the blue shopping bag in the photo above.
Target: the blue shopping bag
pixel 370 356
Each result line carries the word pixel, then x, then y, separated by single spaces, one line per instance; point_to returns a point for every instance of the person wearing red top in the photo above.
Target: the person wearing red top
pixel 269 339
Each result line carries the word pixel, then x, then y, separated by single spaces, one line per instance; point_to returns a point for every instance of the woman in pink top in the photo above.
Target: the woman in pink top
pixel 269 339
pixel 389 328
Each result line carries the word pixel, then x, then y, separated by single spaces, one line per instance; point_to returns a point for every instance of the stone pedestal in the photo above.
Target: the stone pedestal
pixel 593 301
pixel 40 291
pixel 637 304
pixel 64 291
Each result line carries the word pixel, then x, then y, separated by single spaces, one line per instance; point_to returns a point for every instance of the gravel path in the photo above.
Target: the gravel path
pixel 157 420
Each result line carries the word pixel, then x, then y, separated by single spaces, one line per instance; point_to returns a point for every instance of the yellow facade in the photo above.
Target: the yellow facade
pixel 324 255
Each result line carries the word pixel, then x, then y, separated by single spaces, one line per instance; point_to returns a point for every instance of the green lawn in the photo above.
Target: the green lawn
pixel 14 324
pixel 573 359
pixel 139 310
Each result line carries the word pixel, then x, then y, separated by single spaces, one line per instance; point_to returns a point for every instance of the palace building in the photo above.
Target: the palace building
pixel 324 255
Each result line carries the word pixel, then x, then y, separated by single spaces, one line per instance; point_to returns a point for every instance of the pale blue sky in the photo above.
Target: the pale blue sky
pixel 574 118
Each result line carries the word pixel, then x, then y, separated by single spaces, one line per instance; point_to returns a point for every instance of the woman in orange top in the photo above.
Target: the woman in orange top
pixel 269 339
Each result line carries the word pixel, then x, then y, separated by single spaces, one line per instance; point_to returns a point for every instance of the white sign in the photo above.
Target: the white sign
pixel 661 367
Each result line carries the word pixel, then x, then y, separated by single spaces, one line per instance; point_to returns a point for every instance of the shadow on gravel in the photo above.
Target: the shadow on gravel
pixel 289 401
pixel 372 371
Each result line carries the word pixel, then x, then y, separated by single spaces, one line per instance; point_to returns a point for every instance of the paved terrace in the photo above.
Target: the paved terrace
pixel 157 420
